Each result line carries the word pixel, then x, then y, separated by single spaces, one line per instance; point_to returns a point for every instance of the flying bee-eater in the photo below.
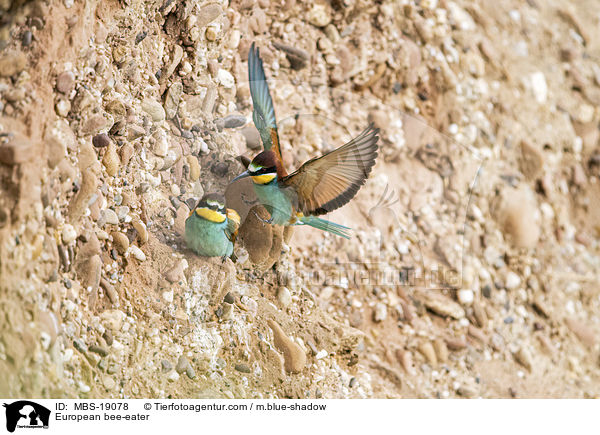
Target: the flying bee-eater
pixel 320 185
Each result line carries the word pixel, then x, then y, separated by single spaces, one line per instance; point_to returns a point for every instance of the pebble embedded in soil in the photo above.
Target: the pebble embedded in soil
pixel 294 356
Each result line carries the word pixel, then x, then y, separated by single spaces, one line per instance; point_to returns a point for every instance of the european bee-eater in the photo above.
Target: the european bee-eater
pixel 210 230
pixel 321 185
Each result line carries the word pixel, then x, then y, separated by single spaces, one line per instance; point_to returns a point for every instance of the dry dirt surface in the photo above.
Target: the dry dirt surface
pixel 473 270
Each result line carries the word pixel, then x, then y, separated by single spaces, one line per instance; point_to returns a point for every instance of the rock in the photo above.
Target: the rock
pixel 63 107
pixel 101 140
pixel 225 78
pixel 111 160
pixel 294 356
pixel 79 203
pixel 426 349
pixel 194 167
pixel 252 137
pixel 480 315
pixel 120 242
pixel 182 364
pixel 442 305
pixel 539 87
pixel 207 14
pixel 284 296
pixel 175 60
pixel 108 216
pixel 456 343
pixel 512 280
pixel 182 214
pixel 531 161
pixel 441 350
pixel 113 319
pixel 16 151
pixel 319 15
pixel 208 103
pixel 110 292
pixel 137 253
pixel 465 296
pixel 406 361
pixel 231 121
pixel 126 152
pixel 154 109
pixel 175 273
pixel 142 231
pixel 172 99
pixel 583 332
pixel 523 357
pixel 380 312
pixel 96 123
pixel 65 82
pixel 242 368
pixel 12 62
pixel 68 234
pixel 518 215
pixel 297 57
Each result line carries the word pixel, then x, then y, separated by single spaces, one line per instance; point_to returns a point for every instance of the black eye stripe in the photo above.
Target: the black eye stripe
pixel 262 171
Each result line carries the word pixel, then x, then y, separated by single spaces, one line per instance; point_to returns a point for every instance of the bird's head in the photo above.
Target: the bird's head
pixel 263 169
pixel 211 208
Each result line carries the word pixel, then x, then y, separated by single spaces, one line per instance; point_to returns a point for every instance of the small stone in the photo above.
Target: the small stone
pixel 65 82
pixel 512 281
pixel 108 216
pixel 531 161
pixel 68 234
pixel 539 87
pixel 441 350
pixel 137 253
pixel 111 160
pixel 380 312
pixel 173 376
pixel 427 350
pixel 63 107
pixel 207 14
pixel 190 373
pixel 27 38
pixel 519 217
pixel 406 361
pixel 99 350
pixel 294 356
pixel 80 345
pixel 166 365
pixel 523 357
pixel 96 123
pixel 243 368
pixel 175 273
pixel 108 382
pixel 297 57
pixel 465 296
pixel 456 343
pixel 480 314
pixel 225 78
pixel 120 241
pixel 194 167
pixel 182 364
pixel 142 231
pixel 442 305
pixel 252 137
pixel 154 109
pixel 232 121
pixel 466 391
pixel 126 152
pixel 101 140
pixel 172 99
pixel 319 15
pixel 12 62
pixel 583 332
pixel 284 296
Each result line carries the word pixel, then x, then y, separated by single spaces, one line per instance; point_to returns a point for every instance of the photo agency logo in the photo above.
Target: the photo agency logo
pixel 25 414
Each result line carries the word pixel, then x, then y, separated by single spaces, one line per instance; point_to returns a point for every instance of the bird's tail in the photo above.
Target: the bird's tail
pixel 322 224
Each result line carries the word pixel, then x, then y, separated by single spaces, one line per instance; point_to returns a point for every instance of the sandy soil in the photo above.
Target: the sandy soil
pixel 473 267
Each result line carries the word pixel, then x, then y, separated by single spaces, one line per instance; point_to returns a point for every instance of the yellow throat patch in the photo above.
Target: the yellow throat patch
pixel 210 215
pixel 263 179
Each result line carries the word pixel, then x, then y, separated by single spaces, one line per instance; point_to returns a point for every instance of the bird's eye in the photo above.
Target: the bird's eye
pixel 254 168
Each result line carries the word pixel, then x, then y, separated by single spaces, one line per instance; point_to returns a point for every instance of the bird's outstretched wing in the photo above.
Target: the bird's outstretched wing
pixel 264 112
pixel 328 182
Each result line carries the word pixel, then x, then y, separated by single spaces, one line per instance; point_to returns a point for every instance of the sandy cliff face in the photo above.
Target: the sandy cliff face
pixel 473 269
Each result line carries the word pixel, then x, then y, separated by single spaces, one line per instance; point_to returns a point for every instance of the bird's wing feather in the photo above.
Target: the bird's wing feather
pixel 264 111
pixel 328 182
pixel 233 224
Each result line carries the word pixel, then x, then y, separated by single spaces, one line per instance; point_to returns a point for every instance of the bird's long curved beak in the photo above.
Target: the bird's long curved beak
pixel 242 175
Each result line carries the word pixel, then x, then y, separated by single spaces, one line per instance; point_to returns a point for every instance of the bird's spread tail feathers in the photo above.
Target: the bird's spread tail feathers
pixel 322 224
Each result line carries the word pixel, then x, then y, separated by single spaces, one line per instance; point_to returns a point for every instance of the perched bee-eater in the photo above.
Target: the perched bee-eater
pixel 211 229
pixel 321 185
